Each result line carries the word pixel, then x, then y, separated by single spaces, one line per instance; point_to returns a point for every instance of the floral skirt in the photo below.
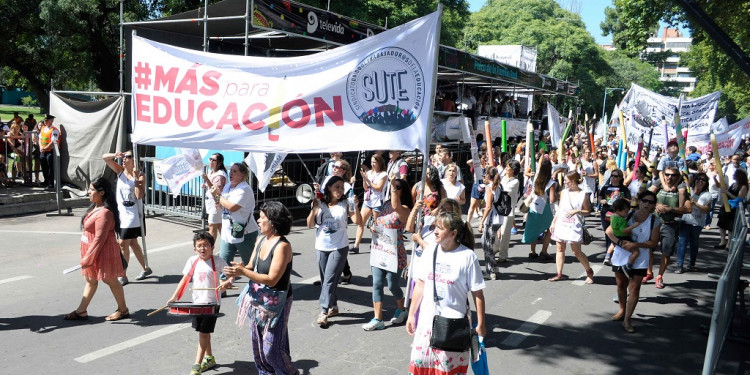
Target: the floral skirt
pixel 428 361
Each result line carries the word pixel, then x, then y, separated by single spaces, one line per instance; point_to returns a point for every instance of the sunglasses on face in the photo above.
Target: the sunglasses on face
pixel 648 201
pixel 616 175
pixel 212 159
pixel 670 174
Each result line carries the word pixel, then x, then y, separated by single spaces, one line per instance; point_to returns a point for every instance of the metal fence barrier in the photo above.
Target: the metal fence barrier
pixel 726 294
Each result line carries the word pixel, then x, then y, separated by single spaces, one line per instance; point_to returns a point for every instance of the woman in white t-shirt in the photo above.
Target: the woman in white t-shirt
pixel 454 189
pixel 218 178
pixel 129 192
pixel 646 238
pixel 331 241
pixel 714 188
pixel 237 204
pixel 373 181
pixel 457 270
pixel 567 226
pixel 692 223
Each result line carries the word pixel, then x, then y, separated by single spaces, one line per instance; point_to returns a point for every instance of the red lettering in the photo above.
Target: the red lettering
pixel 201 119
pixel 295 124
pixel 210 79
pixel 189 83
pixel 190 112
pixel 142 109
pixel 167 79
pixel 260 107
pixel 321 108
pixel 229 117
pixel 161 103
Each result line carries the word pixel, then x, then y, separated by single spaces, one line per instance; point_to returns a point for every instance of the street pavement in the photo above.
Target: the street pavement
pixel 535 326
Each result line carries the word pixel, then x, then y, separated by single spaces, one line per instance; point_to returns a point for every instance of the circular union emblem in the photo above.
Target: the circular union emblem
pixel 386 89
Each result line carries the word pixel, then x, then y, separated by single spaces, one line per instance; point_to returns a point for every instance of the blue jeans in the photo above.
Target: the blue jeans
pixel 330 265
pixel 710 214
pixel 379 278
pixel 688 235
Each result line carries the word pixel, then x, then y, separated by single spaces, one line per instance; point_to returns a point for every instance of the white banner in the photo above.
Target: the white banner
pixel 372 94
pixel 555 128
pixel 179 169
pixel 728 141
pixel 264 166
pixel 696 115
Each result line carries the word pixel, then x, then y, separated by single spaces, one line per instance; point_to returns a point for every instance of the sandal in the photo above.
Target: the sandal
pixel 557 278
pixel 590 276
pixel 628 328
pixel 618 317
pixel 75 315
pixel 118 315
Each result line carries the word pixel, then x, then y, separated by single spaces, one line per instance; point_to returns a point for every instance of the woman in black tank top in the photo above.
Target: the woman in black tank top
pixel 271 265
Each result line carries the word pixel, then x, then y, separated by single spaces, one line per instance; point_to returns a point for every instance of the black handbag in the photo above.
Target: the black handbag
pixel 451 335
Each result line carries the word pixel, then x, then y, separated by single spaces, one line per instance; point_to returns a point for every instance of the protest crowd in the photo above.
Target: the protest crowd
pixel 441 226
pixel 652 211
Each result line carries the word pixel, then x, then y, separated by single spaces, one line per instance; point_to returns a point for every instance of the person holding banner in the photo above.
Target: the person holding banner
pixel 331 241
pixel 238 227
pixel 671 159
pixel 392 219
pixel 454 274
pixel 100 254
pixel 218 178
pixel 130 192
pixel 434 192
pixel 726 219
pixel 714 188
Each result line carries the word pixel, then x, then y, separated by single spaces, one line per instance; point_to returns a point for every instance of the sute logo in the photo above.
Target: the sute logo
pixel 386 89
pixel 312 22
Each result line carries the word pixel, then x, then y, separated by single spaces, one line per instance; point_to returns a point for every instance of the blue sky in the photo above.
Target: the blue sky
pixel 592 13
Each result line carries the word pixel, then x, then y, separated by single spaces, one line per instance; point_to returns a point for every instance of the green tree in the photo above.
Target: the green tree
pixel 710 64
pixel 564 48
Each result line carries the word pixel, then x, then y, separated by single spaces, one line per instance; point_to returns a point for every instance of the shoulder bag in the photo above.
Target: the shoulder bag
pixel 451 335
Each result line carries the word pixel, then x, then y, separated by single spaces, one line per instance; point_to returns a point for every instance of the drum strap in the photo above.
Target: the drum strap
pixel 190 277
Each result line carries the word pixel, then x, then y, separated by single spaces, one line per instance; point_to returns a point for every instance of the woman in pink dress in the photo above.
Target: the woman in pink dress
pixel 100 253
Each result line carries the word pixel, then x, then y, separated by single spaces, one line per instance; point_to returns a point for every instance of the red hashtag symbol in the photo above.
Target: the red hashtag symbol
pixel 142 75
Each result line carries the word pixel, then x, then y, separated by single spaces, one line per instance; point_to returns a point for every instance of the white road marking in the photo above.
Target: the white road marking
pixel 579 282
pixel 527 328
pixel 131 343
pixel 158 249
pixel 12 279
pixel 536 300
pixel 37 232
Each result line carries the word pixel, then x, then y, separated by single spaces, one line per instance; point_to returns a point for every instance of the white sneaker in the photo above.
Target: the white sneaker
pixel 373 325
pixel 399 317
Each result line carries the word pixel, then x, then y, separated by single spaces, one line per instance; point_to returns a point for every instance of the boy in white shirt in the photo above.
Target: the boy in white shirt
pixel 202 269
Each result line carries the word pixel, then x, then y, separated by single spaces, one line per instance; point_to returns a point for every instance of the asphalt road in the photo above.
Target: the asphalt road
pixel 536 327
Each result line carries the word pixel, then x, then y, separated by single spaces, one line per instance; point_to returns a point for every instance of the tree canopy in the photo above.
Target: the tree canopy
pixel 564 48
pixel 631 23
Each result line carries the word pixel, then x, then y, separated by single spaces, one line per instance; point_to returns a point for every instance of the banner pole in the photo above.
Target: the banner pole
pixel 141 212
pixel 426 151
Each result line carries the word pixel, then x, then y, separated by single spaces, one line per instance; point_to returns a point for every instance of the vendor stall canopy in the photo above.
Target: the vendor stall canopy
pixel 280 28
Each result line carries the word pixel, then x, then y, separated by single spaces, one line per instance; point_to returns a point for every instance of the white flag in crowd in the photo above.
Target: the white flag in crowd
pixel 555 129
pixel 179 169
pixel 264 166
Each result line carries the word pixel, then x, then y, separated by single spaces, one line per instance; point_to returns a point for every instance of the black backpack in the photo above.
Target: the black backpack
pixel 503 205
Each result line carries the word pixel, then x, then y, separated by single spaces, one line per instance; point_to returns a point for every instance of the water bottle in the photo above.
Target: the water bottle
pixel 350 200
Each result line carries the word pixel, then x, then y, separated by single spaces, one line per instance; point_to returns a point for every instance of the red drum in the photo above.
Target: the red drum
pixel 192 309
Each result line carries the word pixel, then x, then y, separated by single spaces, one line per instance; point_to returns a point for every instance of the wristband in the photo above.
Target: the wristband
pixel 619 243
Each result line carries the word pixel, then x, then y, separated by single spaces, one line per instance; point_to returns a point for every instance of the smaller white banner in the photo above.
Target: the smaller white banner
pixel 179 169
pixel 555 129
pixel 383 252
